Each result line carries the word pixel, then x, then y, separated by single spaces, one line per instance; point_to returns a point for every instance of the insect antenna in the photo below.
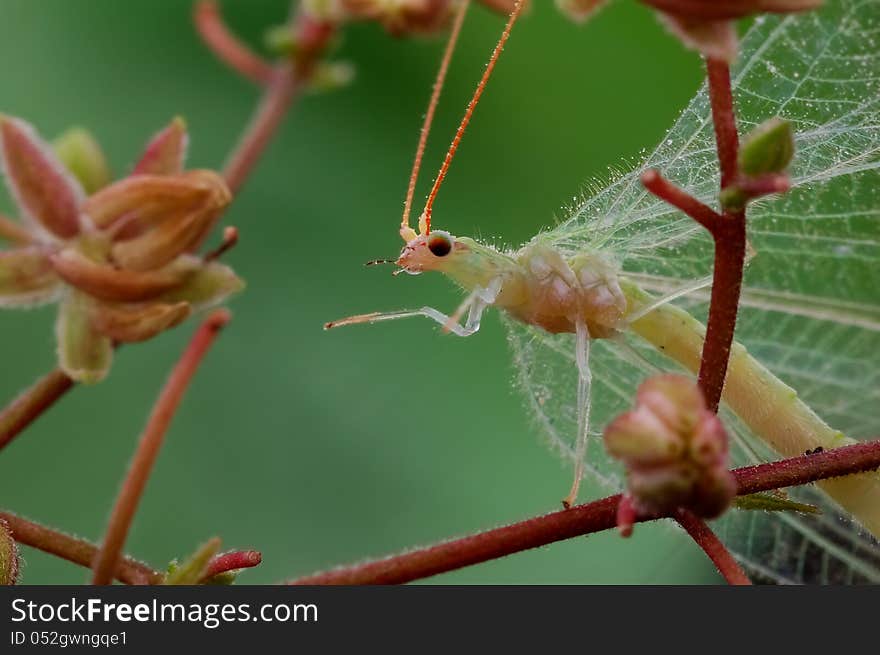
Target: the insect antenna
pixel 405 230
pixel 425 218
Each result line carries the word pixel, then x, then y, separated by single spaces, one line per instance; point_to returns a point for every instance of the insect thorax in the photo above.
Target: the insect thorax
pixel 555 292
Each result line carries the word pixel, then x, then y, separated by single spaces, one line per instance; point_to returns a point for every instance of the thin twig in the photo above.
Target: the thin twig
pixel 75 550
pixel 226 46
pixel 728 231
pixel 654 182
pixel 151 441
pixel 584 519
pixel 730 253
pixel 230 238
pixel 724 118
pixel 287 80
pixel 729 234
pixel 271 110
pixel 712 546
pixel 31 403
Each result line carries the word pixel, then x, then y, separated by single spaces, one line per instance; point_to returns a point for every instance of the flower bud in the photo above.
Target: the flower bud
pixel 330 76
pixel 714 39
pixel 9 558
pixel 46 192
pixel 108 282
pixel 82 155
pixel 768 148
pixel 128 323
pixel 26 277
pixel 674 449
pixel 401 16
pixel 166 152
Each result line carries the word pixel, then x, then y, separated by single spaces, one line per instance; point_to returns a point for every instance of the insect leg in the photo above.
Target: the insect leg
pixel 476 303
pixel 585 378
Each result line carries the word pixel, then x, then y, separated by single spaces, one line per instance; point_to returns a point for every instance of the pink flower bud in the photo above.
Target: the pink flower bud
pixel 47 194
pixel 401 16
pixel 674 449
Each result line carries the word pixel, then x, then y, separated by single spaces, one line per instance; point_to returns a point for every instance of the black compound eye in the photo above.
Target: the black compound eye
pixel 440 244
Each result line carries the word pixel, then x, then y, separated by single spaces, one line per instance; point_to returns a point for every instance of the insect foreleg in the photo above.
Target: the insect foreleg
pixel 475 304
pixel 585 379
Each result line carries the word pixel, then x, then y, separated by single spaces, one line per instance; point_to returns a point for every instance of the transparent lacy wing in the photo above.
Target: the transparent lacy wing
pixel 811 306
pixel 777 547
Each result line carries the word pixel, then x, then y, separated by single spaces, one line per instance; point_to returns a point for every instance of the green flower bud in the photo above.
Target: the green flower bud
pixel 768 148
pixel 82 155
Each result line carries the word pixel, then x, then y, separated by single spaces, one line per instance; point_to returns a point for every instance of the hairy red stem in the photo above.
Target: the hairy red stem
pixel 269 114
pixel 724 118
pixel 287 80
pixel 75 550
pixel 582 520
pixel 654 182
pixel 31 403
pixel 151 441
pixel 704 537
pixel 226 46
pixel 730 252
pixel 729 234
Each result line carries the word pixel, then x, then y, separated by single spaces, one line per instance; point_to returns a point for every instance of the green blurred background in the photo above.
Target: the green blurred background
pixel 325 448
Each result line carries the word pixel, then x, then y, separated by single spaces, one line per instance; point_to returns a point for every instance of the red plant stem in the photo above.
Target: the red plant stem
pixel 712 546
pixel 31 403
pixel 654 182
pixel 726 138
pixel 730 252
pixel 75 550
pixel 273 106
pixel 582 520
pixel 287 80
pixel 234 561
pixel 230 239
pixel 151 441
pixel 226 46
pixel 729 234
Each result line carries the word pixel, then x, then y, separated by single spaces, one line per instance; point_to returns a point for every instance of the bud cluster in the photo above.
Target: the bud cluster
pixel 674 449
pixel 118 261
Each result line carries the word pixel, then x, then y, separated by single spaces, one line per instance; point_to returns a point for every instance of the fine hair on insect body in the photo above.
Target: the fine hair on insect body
pixel 571 281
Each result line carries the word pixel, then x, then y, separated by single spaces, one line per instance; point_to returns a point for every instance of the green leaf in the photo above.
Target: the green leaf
pixel 81 153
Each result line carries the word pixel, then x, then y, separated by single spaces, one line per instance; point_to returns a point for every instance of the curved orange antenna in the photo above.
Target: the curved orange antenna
pixel 405 230
pixel 425 218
